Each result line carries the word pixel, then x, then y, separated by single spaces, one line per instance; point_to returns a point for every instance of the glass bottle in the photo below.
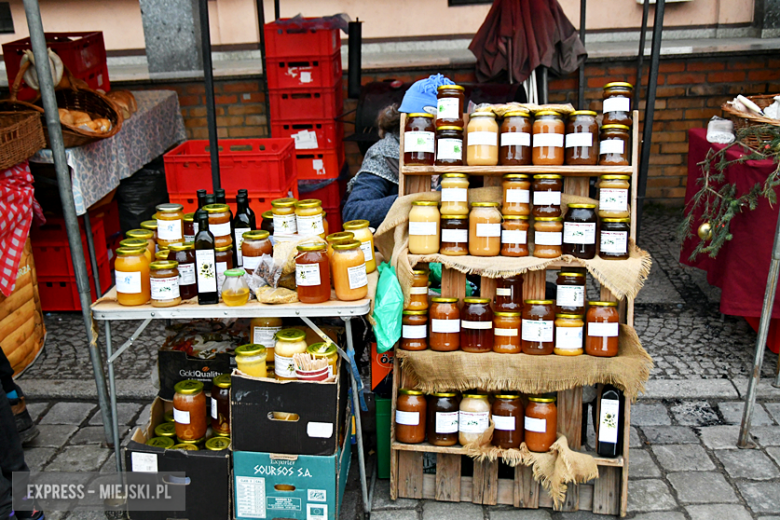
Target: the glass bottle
pixel 205 262
pixel 482 139
pixel 444 334
pixel 164 282
pixel 507 413
pixel 450 105
pixel 419 140
pixel 414 331
pixel 247 210
pixel 235 291
pixel 241 225
pixel 219 196
pixel 548 138
pixel 609 431
pixel 220 404
pixel 224 256
pixel 132 276
pixel 188 223
pixel 201 194
pixel 312 273
pixel 184 255
pixel 538 327
pixel 442 424
pixel 476 332
pixel 516 139
pixel 410 416
pixel 579 231
pixel 509 294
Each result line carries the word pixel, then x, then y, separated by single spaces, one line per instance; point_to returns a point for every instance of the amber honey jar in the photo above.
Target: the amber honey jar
pixel 507 413
pixel 410 416
pixel 419 140
pixel 538 327
pixel 515 140
pixel 414 331
pixel 444 335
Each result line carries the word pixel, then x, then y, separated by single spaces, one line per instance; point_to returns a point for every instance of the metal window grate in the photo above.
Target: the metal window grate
pixel 6 20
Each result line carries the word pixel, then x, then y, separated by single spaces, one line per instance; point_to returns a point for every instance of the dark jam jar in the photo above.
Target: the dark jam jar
pixel 476 325
pixel 509 294
pixel 617 103
pixel 579 231
pixel 515 139
pixel 268 222
pixel 538 328
pixel 454 235
pixel 450 105
pixel 220 404
pixel 613 148
pixel 507 414
pixel 184 254
pixel 188 227
pixel 449 146
pixel 419 140
pixel 613 238
pixel 570 293
pixel 547 195
pixel 443 419
pixel 582 139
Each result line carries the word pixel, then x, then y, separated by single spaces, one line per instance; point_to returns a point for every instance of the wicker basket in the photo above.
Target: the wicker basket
pixel 21 135
pixel 744 120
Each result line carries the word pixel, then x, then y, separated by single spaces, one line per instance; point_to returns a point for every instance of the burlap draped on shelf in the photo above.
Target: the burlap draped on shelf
pixel 624 279
pixel 432 371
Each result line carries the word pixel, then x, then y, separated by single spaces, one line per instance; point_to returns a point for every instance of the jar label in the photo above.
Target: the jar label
pixel 457 236
pixel 310 225
pixel 446 422
pixel 445 326
pixel 511 333
pixel 419 142
pixel 476 325
pixel 237 241
pixel 423 228
pixel 407 418
pixel 514 236
pixel 488 230
pixel 181 416
pixel 547 238
pixel 128 282
pixel 603 330
pixel 519 196
pixel 532 424
pixel 414 331
pixel 547 198
pixel 307 275
pixel 568 338
pixel 473 422
pixel 221 268
pixel 552 140
pixel 574 140
pixel 483 138
pixel 616 104
pixel 187 274
pixel 220 230
pixel 169 229
pixel 612 146
pixel 284 366
pixel 504 423
pixel 450 149
pixel 579 232
pixel 189 238
pixel 164 288
pixel 503 291
pixel 357 276
pixel 214 413
pixel 265 336
pixel 418 290
pixel 614 242
pixel 285 224
pixel 515 139
pixel 608 420
pixel 454 195
pixel 570 296
pixel 538 330
pixel 448 108
pixel 368 251
pixel 252 262
pixel 611 199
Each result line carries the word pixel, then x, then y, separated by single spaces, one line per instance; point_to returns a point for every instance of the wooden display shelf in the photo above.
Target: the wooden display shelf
pixel 566 171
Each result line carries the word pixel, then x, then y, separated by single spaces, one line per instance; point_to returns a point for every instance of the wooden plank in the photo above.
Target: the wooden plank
pixel 526 488
pixel 586 497
pixel 624 471
pixel 417 185
pixel 497 171
pixel 606 491
pixel 534 285
pixel 572 500
pixel 570 416
pixel 447 478
pixel 487 288
pixel 401 165
pixel 410 474
pixel 394 452
pixel 579 186
pixel 429 487
pixel 453 283
pixel 545 500
pixel 506 491
pixel 466 485
pixel 485 487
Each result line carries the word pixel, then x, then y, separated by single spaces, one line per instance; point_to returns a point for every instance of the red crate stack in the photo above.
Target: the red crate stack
pixel 305 92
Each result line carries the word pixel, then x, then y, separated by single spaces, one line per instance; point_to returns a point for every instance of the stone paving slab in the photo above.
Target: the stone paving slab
pixel 650 414
pixel 719 437
pixel 732 413
pixel 649 495
pixel 761 497
pixel 725 511
pixel 682 457
pixel 79 458
pixel 695 487
pixel 126 413
pixel 695 413
pixel 669 434
pixel 699 388
pixel 641 465
pixel 751 464
pixel 52 436
pixel 67 413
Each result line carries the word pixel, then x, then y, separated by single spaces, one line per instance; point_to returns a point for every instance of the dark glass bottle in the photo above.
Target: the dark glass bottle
pixel 210 199
pixel 205 261
pixel 241 224
pixel 247 209
pixel 610 426
pixel 268 222
pixel 220 197
pixel 201 198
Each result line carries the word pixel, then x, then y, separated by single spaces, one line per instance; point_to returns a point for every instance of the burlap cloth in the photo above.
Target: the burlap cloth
pixel 624 279
pixel 432 371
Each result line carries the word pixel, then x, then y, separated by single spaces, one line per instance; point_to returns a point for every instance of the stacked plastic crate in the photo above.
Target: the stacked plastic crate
pixel 306 98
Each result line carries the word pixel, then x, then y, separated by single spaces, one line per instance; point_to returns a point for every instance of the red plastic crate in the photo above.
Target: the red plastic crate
pixel 333 216
pixel 84 53
pixel 109 214
pixel 306 104
pixel 330 195
pixel 303 38
pixel 52 252
pixel 311 135
pixel 304 72
pixel 259 203
pixel 62 294
pixel 262 166
pixel 319 164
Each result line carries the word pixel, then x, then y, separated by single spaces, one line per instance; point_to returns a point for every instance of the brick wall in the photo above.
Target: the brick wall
pixel 690 92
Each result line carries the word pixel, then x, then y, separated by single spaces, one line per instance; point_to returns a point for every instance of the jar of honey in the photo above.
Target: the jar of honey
pixel 541 424
pixel 568 334
pixel 349 272
pixel 134 243
pixel 235 291
pixel 255 244
pixel 268 222
pixel 144 234
pixel 288 343
pixel 219 224
pixel 516 131
pixel 517 194
pixel 151 225
pixel 548 139
pixel 312 273
pixel 449 146
pixel 474 417
pixel 442 424
pixel 419 140
pixel 263 332
pixel 309 218
pixel 220 404
pixel 617 103
pixel 414 330
pixel 410 416
pixel 538 327
pixel 169 224
pixel 189 410
pixel 582 136
pixel 454 194
pixel 339 238
pixel 251 359
pixel 485 229
pixel 613 149
pixel 509 294
pixel 547 195
pixel 424 221
pixel 548 237
pixel 476 326
pixel 570 293
pixel 613 196
pixel 450 104
pixel 614 238
pixel 507 413
pixel 360 232
pixel 603 334
pixel 418 292
pixel 482 140
pixel 454 235
pixel 514 235
pixel 132 276
pixel 188 225
pixel 506 331
pixel 444 333
pixel 164 283
pixel 579 231
pixel 285 221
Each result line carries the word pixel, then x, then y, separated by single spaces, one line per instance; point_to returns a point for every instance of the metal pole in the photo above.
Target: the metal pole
pixel 38 40
pixel 641 57
pixel 112 385
pixel 92 257
pixel 277 10
pixel 358 421
pixel 544 85
pixel 261 23
pixel 581 81
pixel 647 131
pixel 763 331
pixel 208 76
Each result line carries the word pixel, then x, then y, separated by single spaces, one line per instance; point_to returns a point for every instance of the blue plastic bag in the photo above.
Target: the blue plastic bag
pixel 388 305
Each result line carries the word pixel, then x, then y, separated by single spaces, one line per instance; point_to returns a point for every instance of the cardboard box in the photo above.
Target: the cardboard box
pixel 320 408
pixel 209 489
pixel 175 366
pixel 297 487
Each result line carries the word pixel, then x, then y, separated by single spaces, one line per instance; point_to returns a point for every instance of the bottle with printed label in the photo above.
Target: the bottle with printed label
pixel 219 224
pixel 507 413
pixel 288 343
pixel 541 423
pixel 419 140
pixel 579 231
pixel 262 331
pixel 454 235
pixel 189 410
pixel 418 292
pixel 205 261
pixel 506 332
pixel 449 146
pixel 424 222
pixel 609 431
pixel 603 329
pixel 617 103
pixel 476 326
pixel 309 218
pixel 473 418
pixel 132 276
pixel 482 140
pixel 613 238
pixel 362 233
pixel 254 245
pixel 410 416
pixel 285 222
pixel 443 419
pixel 538 327
pixel 613 196
pixel 454 194
pixel 184 255
pixel 170 225
pixel 509 294
pixel 515 140
pixel 414 333
pixel 613 147
pixel 444 333
pixel 582 139
pixel 548 138
pixel 517 194
pixel 242 223
pixel 569 334
pixel 548 237
pixel 514 235
pixel 349 271
pixel 570 293
pixel 547 195
pixel 164 281
pixel 485 229
pixel 312 273
pixel 450 105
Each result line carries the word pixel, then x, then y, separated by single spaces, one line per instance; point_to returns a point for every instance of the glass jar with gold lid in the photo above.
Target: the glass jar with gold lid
pixel 419 140
pixel 485 229
pixel 132 276
pixel 613 196
pixel 251 359
pixel 308 217
pixel 188 227
pixel 285 222
pixel 254 245
pixel 170 229
pixel 517 194
pixel 338 238
pixel 145 234
pixel 424 227
pixel 327 351
pixel 360 232
pixel 614 145
pixel 418 292
pixel 617 103
pixel 349 271
pixel 150 225
pixel 569 334
pixel 218 444
pixel 450 105
pixel 164 282
pixel 288 343
pixel 454 194
pixel 515 139
pixel 548 237
pixel 219 224
pixel 482 140
pixel 134 243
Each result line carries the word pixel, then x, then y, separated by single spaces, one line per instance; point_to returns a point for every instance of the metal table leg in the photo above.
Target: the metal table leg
pixel 112 391
pixel 358 425
pixel 92 256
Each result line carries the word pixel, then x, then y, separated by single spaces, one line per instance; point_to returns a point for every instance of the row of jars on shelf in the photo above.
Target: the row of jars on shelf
pixel 447 419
